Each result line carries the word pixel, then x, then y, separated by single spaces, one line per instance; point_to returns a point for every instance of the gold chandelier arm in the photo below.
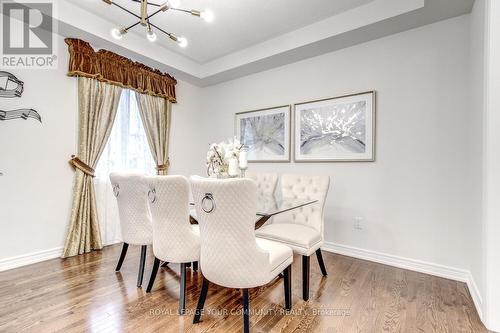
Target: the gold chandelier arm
pixel 144 11
pixel 169 34
pixel 144 19
pixel 140 21
pixel 163 7
pixel 193 12
pixel 125 9
pixel 130 26
pixel 149 3
pixel 154 13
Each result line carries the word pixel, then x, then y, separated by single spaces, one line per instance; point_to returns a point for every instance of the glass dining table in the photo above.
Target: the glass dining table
pixel 268 207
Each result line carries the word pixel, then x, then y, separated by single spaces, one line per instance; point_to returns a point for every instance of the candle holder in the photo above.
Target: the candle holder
pixel 243 172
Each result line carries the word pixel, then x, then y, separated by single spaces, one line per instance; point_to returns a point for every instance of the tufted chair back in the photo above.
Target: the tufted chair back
pixel 174 240
pixel 266 183
pixel 304 187
pixel 226 210
pixel 131 194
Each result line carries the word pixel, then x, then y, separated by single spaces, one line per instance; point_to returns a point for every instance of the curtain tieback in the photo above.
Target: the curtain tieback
pixel 163 167
pixel 82 166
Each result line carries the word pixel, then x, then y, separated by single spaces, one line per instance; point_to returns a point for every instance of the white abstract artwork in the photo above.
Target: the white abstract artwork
pixel 265 133
pixel 336 129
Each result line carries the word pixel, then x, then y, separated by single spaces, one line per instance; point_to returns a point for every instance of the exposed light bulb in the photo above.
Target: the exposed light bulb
pixel 182 42
pixel 116 33
pixel 174 3
pixel 207 15
pixel 151 36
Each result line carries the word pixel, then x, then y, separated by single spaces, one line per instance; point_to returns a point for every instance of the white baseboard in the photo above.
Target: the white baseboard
pixel 34 257
pixel 29 258
pixel 116 241
pixel 383 258
pixel 447 272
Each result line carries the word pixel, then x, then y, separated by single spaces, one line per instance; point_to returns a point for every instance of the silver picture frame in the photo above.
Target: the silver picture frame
pixel 338 153
pixel 286 132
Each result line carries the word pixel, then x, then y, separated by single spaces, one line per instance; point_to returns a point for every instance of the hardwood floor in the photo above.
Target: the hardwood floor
pixel 84 294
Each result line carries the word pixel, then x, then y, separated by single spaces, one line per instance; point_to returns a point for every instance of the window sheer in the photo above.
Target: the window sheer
pixel 127 150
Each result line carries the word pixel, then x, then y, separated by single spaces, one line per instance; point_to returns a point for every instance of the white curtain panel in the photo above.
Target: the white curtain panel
pixel 127 150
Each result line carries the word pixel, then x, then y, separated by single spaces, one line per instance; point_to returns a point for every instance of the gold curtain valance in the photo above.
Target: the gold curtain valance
pixel 115 69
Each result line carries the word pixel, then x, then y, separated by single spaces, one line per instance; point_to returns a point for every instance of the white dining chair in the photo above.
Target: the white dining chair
pixel 175 240
pixel 231 255
pixel 266 183
pixel 302 228
pixel 135 219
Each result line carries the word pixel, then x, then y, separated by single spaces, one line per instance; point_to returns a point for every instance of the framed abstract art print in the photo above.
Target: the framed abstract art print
pixel 265 133
pixel 335 129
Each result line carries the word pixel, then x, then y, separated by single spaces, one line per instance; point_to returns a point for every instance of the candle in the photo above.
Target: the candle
pixel 243 160
pixel 233 167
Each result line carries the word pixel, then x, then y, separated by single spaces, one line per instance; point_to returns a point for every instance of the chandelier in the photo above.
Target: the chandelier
pixel 144 19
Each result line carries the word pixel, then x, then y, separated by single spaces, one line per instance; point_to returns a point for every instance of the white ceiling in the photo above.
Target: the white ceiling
pixel 238 24
pixel 249 36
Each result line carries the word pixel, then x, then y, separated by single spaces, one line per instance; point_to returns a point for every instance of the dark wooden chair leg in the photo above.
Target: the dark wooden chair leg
pixel 321 262
pixel 305 277
pixel 154 271
pixel 195 266
pixel 182 290
pixel 141 265
pixel 165 264
pixel 287 283
pixel 201 301
pixel 246 311
pixel 122 257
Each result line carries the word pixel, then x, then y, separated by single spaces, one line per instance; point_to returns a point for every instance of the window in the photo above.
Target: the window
pixel 126 150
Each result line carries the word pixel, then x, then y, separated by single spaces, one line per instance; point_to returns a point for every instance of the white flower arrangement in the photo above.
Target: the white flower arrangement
pixel 220 154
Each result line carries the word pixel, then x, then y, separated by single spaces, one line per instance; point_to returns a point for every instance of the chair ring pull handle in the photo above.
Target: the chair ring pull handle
pixel 116 190
pixel 209 197
pixel 152 195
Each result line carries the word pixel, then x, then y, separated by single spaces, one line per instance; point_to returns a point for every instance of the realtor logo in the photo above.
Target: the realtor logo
pixel 28 34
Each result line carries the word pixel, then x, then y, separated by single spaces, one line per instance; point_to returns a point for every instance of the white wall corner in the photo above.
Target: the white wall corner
pixel 446 272
pixel 476 295
pixel 491 179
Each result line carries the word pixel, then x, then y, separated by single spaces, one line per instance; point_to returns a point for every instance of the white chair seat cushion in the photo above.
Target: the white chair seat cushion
pixel 302 239
pixel 280 256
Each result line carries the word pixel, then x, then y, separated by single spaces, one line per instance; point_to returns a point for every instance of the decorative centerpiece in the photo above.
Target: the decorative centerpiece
pixel 226 159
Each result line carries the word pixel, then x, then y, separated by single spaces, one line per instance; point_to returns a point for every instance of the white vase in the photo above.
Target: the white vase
pixel 233 170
